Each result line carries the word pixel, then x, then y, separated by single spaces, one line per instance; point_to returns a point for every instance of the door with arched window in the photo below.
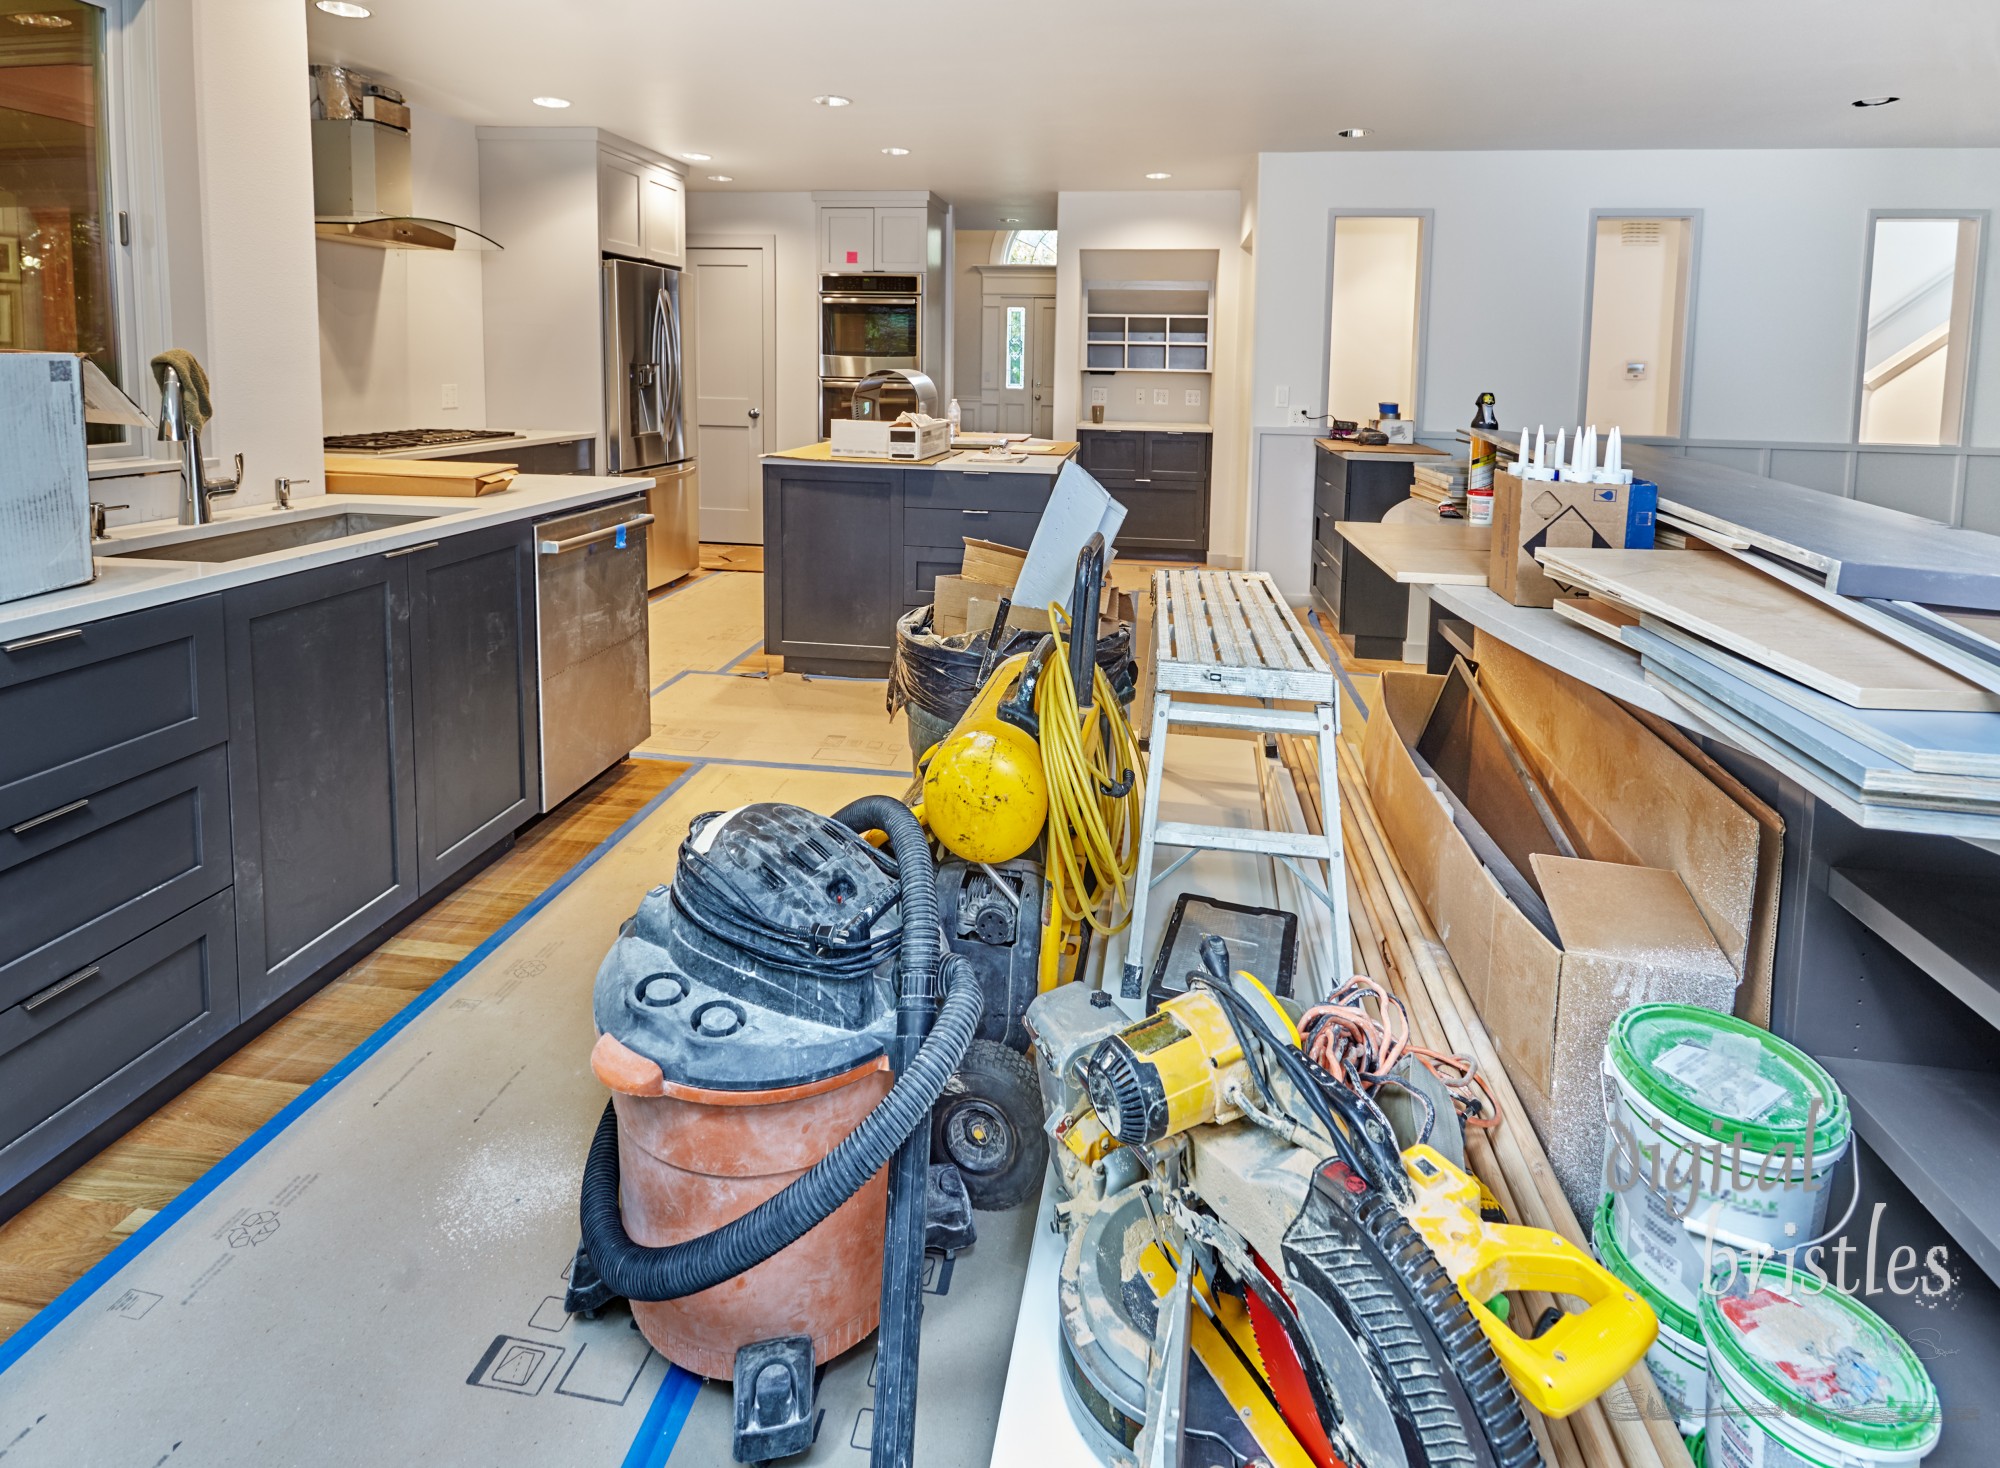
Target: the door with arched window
pixel 1019 319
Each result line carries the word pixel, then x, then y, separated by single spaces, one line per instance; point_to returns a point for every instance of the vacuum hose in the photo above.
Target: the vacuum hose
pixel 668 1273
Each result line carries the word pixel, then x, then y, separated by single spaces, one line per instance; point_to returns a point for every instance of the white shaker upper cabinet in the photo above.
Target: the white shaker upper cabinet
pixel 902 239
pixel 620 229
pixel 847 240
pixel 662 218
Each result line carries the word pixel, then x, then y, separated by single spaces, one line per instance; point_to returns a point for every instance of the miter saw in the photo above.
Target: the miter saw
pixel 1259 1271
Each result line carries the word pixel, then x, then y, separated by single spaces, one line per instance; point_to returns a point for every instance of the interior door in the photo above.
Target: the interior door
pixel 727 318
pixel 1042 353
pixel 1014 325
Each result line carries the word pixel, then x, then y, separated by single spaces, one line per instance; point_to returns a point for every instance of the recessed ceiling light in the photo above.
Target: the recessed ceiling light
pixel 1158 176
pixel 830 100
pixel 697 157
pixel 41 20
pixel 1354 132
pixel 721 178
pixel 343 9
pixel 897 152
pixel 556 102
pixel 1876 101
pixel 1010 219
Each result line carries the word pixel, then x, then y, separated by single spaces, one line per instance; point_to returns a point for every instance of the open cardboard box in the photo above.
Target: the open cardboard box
pixel 1628 933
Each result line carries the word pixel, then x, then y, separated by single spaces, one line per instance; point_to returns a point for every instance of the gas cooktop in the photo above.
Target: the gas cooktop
pixel 410 438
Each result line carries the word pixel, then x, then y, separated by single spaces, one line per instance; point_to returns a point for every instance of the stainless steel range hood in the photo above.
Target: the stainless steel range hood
pixel 361 191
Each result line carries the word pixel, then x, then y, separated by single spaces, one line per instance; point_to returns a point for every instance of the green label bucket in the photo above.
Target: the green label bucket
pixel 1721 1139
pixel 1803 1376
pixel 1677 1359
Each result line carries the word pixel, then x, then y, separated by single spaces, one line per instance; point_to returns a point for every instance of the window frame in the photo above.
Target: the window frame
pixel 1426 230
pixel 1963 428
pixel 1685 397
pixel 1007 249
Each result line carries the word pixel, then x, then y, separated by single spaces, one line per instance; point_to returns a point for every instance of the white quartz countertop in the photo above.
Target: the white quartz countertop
pixel 130 585
pixel 965 460
pixel 1132 425
pixel 483 448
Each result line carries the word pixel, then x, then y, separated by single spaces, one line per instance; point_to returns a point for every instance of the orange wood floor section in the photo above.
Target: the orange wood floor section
pixel 53 1241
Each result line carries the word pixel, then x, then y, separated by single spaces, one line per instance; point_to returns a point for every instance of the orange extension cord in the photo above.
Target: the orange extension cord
pixel 1362 1049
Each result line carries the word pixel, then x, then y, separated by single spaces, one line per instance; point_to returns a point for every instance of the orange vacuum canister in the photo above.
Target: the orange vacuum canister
pixel 745 1015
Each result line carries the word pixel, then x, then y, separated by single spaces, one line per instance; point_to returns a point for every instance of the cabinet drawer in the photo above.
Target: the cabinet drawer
pixel 80 884
pixel 1161 516
pixel 1177 453
pixel 922 565
pixel 98 1037
pixel 86 707
pixel 1111 453
pixel 950 527
pixel 975 489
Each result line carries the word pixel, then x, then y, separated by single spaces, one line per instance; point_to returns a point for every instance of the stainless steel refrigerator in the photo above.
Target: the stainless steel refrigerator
pixel 646 428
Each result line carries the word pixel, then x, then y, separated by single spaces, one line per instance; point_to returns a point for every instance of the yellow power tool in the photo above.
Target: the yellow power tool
pixel 1176 1068
pixel 1580 1355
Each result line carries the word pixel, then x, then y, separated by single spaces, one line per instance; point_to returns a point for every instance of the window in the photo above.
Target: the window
pixel 1922 276
pixel 56 225
pixel 1640 303
pixel 1017 348
pixel 1030 247
pixel 1376 311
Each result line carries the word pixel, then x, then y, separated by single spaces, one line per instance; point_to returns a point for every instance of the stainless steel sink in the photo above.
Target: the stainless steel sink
pixel 288 533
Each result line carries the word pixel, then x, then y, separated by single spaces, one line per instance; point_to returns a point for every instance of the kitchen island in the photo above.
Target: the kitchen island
pixel 851 545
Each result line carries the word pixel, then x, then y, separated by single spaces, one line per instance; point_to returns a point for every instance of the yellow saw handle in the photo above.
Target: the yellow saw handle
pixel 1575 1359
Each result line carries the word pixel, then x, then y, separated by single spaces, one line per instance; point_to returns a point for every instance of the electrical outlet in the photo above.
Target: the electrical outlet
pixel 1305 415
pixel 1284 397
pixel 1192 397
pixel 1139 396
pixel 449 395
pixel 1159 397
pixel 1100 395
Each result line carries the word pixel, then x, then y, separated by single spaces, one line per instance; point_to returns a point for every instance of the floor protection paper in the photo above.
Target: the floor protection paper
pixel 706 623
pixel 783 719
pixel 381 1280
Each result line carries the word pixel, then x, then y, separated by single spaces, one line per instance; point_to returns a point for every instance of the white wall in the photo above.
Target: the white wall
pixel 789 219
pixel 1778 287
pixel 1637 299
pixel 395 326
pixel 1164 220
pixel 1372 341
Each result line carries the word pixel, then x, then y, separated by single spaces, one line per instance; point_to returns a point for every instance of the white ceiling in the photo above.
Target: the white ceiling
pixel 1002 105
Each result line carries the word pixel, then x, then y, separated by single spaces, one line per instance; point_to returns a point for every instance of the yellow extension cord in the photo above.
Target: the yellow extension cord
pixel 1091 835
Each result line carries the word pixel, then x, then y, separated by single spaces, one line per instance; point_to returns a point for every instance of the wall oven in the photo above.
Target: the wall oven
pixel 868 322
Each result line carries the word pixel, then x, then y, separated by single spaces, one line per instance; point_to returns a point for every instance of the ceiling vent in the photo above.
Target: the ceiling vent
pixel 1640 231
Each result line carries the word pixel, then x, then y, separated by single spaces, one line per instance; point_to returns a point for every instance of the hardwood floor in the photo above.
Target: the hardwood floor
pixel 57 1238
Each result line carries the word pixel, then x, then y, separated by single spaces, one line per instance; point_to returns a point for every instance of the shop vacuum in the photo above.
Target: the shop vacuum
pixel 775 1028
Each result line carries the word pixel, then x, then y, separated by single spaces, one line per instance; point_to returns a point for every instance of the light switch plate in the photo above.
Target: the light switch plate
pixel 1159 397
pixel 1193 397
pixel 1100 395
pixel 1284 397
pixel 448 396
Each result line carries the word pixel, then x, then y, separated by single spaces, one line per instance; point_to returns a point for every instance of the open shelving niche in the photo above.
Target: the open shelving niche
pixel 1148 326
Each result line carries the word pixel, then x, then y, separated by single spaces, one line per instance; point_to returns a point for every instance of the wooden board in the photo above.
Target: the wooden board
pixel 1601 617
pixel 822 453
pixel 1750 614
pixel 1388 450
pixel 368 474
pixel 1435 553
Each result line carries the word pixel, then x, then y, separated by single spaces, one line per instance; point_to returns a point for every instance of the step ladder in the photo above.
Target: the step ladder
pixel 1229 632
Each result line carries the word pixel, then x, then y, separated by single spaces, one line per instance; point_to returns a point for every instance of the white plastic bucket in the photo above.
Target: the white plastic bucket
pixel 1722 1138
pixel 1803 1376
pixel 1677 1359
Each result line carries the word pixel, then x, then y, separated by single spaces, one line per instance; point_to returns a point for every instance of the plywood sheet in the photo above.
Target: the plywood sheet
pixel 1733 606
pixel 782 719
pixel 708 624
pixel 1596 615
pixel 1440 553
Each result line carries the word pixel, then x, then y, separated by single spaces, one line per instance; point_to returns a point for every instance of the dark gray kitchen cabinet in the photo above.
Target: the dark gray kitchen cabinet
pixel 473 686
pixel 833 561
pixel 1161 476
pixel 1356 597
pixel 322 771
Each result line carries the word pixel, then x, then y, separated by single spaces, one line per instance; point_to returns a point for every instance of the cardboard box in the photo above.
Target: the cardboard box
pixel 952 597
pixel 993 564
pixel 1626 933
pixel 1531 513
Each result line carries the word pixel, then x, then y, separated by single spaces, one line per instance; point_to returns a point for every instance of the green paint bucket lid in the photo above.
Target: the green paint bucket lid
pixel 1824 1360
pixel 1719 1076
pixel 1673 1316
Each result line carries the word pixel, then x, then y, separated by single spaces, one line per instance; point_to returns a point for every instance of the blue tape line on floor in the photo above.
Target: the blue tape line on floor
pixel 1339 668
pixel 66 1304
pixel 766 764
pixel 664 1420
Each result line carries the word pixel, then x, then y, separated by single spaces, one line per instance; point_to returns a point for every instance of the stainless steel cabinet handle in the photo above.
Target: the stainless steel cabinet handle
pixel 60 987
pixel 410 550
pixel 1142 481
pixel 576 542
pixel 60 811
pixel 975 512
pixel 43 641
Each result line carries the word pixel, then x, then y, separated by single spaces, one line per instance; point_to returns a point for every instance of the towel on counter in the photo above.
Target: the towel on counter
pixel 196 407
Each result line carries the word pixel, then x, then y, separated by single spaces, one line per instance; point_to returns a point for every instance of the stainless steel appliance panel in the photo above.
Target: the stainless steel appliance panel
pixel 859 334
pixel 673 543
pixel 590 602
pixel 836 400
pixel 643 390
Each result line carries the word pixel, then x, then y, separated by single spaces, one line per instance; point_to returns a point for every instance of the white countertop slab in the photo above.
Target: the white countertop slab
pixel 499 447
pixel 1133 425
pixel 964 460
pixel 132 585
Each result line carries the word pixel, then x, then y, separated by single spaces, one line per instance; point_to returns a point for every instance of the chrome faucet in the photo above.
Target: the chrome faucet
pixel 197 489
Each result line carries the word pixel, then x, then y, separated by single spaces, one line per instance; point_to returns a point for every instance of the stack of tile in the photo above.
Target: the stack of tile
pixel 1440 483
pixel 1896 726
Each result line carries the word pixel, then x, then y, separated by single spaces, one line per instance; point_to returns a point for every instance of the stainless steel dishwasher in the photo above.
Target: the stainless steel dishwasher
pixel 590 603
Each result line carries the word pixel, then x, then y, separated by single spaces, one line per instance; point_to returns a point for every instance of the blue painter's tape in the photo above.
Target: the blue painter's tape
pixel 65 1304
pixel 1339 668
pixel 664 1420
pixel 766 764
pixel 618 540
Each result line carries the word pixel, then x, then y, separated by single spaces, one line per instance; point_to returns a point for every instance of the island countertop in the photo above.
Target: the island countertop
pixel 1045 459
